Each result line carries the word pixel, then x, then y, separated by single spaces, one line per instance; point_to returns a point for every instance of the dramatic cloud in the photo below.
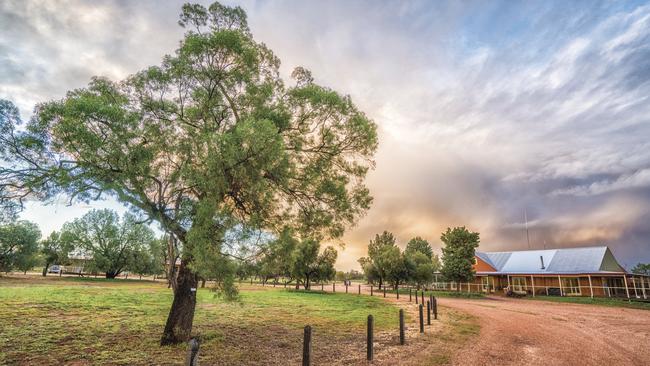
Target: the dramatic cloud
pixel 486 110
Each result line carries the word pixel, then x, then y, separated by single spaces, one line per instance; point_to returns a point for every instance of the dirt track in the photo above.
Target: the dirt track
pixel 525 332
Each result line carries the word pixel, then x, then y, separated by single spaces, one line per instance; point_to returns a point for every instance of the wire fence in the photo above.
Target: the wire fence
pixel 631 287
pixel 428 312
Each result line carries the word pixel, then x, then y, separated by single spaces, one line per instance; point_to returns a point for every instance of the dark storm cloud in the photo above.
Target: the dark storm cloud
pixel 486 109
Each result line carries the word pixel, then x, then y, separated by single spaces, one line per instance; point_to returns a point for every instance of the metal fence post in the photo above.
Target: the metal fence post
pixel 410 297
pixel 428 312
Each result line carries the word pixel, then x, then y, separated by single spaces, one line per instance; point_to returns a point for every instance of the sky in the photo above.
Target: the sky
pixel 492 115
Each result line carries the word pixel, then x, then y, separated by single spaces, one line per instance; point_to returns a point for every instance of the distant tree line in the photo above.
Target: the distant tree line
pixel 387 264
pixel 99 242
pixel 295 260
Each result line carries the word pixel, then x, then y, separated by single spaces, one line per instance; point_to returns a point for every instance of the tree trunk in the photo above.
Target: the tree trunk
pixel 45 270
pixel 181 315
pixel 111 274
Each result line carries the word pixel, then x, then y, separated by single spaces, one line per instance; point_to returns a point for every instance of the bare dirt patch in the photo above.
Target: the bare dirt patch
pixel 523 332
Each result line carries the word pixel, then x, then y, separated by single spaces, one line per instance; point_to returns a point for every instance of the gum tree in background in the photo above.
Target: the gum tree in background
pixel 307 265
pixel 420 245
pixel 54 251
pixel 458 254
pixel 210 140
pixel 18 245
pixel 420 256
pixel 381 257
pixel 642 268
pixel 113 244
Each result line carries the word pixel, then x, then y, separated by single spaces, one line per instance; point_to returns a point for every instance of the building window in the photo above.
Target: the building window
pixel 485 282
pixel 571 286
pixel 519 284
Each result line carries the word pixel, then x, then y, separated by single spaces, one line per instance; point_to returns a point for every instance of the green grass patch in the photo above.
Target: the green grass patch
pixel 89 321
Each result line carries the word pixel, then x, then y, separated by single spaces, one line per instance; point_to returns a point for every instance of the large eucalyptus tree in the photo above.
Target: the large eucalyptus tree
pixel 210 140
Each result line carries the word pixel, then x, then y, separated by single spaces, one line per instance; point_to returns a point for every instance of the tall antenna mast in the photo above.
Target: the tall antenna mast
pixel 526 223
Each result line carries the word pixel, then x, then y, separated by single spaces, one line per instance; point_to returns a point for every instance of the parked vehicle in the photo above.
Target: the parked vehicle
pixel 55 269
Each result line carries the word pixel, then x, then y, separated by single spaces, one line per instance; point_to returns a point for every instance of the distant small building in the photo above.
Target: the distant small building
pixel 589 271
pixel 78 263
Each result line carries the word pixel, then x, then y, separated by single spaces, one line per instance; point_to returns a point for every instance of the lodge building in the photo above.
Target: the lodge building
pixel 589 271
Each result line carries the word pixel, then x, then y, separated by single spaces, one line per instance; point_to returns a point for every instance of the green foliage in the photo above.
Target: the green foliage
pixel 18 246
pixel 380 256
pixel 436 263
pixel 114 245
pixel 642 268
pixel 307 265
pixel 55 250
pixel 420 245
pixel 351 275
pixel 423 268
pixel 458 253
pixel 149 258
pixel 209 140
pixel 276 260
pixel 397 267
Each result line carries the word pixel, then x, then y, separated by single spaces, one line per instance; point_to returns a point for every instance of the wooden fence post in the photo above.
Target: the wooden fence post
pixel 397 292
pixel 421 319
pixel 359 289
pixel 371 290
pixel 369 339
pixel 422 297
pixel 435 308
pixel 410 297
pixel 416 296
pixel 333 286
pixel 428 312
pixel 384 291
pixel 401 327
pixel 192 353
pixel 306 347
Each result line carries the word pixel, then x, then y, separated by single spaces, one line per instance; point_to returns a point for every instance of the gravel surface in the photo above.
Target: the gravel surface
pixel 526 332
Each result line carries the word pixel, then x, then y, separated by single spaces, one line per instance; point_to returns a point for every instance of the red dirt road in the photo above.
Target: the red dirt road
pixel 525 332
